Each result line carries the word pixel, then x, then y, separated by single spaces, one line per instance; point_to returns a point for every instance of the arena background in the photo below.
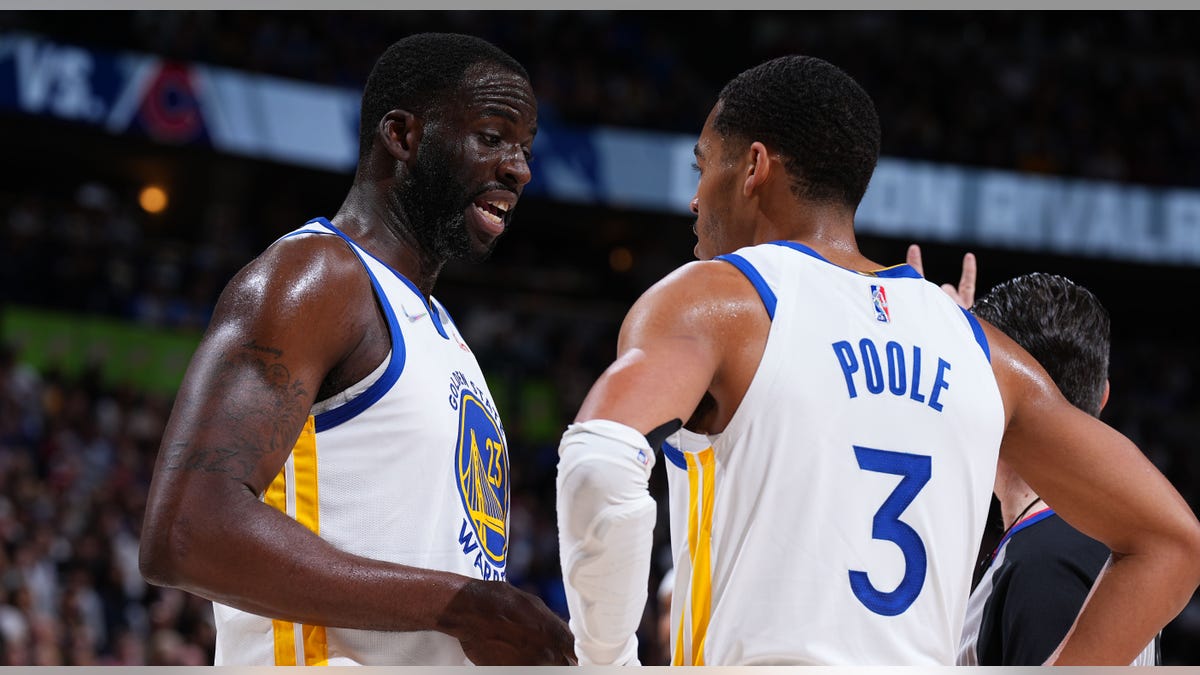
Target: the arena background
pixel 1042 141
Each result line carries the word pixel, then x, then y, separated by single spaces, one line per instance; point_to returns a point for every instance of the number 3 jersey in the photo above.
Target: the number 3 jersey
pixel 409 466
pixel 836 519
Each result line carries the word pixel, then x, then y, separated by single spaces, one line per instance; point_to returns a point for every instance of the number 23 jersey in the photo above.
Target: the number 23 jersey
pixel 408 466
pixel 836 519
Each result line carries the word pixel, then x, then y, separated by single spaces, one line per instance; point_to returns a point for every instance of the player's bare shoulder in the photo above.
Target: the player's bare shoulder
pixel 309 297
pixel 1024 384
pixel 299 278
pixel 302 269
pixel 708 292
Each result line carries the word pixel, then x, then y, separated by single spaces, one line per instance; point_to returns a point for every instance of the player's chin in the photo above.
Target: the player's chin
pixel 481 248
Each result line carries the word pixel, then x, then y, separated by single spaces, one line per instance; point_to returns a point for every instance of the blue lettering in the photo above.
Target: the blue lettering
pixel 867 367
pixel 486 571
pixel 465 538
pixel 916 395
pixel 896 374
pixel 845 357
pixel 871 367
pixel 939 383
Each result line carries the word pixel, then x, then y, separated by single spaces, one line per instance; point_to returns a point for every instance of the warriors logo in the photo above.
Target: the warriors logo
pixel 482 463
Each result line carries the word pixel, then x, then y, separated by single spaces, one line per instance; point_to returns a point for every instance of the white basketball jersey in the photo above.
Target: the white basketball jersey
pixel 836 519
pixel 410 466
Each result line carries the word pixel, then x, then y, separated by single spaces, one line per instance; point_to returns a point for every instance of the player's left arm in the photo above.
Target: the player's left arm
pixel 1101 484
pixel 670 351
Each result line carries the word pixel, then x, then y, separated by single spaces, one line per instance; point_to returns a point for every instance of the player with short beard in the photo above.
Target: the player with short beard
pixel 315 482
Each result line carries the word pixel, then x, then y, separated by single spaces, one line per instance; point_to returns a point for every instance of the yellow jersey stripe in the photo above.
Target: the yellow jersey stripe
pixel 677 655
pixel 316 647
pixel 285 642
pixel 285 638
pixel 701 468
pixel 702 562
pixel 693 470
pixel 305 459
pixel 316 651
pixel 693 474
pixel 298 498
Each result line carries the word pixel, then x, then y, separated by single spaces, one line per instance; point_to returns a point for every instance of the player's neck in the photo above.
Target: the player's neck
pixel 1015 496
pixel 367 219
pixel 827 229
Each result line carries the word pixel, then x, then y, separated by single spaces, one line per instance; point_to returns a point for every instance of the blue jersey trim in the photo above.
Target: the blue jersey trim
pixel 980 336
pixel 895 272
pixel 760 284
pixel 349 410
pixel 437 323
pixel 442 312
pixel 675 455
pixel 1035 518
pixel 799 247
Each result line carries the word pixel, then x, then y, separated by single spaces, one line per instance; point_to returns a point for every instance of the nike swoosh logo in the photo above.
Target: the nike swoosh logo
pixel 411 317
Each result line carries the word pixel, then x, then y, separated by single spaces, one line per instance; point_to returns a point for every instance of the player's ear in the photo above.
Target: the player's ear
pixel 400 133
pixel 1104 398
pixel 758 169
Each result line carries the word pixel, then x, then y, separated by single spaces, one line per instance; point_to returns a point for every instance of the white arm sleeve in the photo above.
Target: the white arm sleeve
pixel 605 532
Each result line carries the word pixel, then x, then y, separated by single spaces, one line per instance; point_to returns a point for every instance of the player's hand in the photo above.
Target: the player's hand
pixel 498 624
pixel 964 293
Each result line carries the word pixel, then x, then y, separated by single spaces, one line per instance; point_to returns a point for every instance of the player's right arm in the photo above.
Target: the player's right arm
pixel 1101 484
pixel 676 344
pixel 281 326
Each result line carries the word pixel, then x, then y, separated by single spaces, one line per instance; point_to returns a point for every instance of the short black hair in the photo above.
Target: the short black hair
pixel 417 71
pixel 815 115
pixel 1062 325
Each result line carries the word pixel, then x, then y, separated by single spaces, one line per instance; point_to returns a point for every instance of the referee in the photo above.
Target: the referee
pixel 1040 573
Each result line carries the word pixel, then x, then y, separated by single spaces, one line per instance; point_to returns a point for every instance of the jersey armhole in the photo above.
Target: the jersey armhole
pixel 760 284
pixel 352 408
pixel 980 336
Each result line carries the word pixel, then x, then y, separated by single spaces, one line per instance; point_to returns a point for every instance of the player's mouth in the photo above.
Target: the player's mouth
pixel 492 210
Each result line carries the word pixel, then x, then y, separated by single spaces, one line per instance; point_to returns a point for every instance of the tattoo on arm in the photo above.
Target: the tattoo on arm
pixel 253 345
pixel 262 421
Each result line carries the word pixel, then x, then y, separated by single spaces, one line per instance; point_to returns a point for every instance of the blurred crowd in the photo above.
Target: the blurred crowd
pixel 1099 94
pixel 1102 95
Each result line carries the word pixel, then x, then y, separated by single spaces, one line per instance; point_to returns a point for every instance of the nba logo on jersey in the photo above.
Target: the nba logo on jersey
pixel 879 297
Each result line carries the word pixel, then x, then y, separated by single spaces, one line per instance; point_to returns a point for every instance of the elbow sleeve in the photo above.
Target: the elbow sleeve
pixel 605 528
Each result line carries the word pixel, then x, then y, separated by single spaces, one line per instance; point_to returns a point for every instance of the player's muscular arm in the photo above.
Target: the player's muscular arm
pixel 278 329
pixel 684 337
pixel 700 330
pixel 1101 484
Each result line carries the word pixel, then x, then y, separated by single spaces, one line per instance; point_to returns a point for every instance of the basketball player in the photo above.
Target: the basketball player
pixel 843 423
pixel 1042 570
pixel 334 475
